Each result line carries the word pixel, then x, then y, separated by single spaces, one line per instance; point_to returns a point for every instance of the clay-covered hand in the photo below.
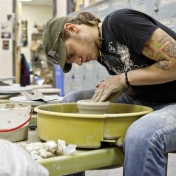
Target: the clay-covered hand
pixel 109 89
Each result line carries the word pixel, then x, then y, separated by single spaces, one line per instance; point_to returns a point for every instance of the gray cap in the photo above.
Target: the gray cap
pixel 50 33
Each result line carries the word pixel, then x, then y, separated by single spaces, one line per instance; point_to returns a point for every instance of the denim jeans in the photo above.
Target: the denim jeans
pixel 147 139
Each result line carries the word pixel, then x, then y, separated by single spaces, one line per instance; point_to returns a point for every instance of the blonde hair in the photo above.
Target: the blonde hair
pixel 82 18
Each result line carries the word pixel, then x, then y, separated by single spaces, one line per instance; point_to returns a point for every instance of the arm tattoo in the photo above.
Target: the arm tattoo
pixel 162 61
pixel 169 45
pixel 162 48
pixel 148 50
pixel 159 56
pixel 164 38
pixel 170 50
pixel 163 64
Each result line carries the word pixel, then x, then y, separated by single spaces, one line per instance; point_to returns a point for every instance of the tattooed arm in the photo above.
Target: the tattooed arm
pixel 161 48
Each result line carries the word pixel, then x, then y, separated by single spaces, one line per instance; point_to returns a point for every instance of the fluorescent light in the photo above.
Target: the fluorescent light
pixel 25 0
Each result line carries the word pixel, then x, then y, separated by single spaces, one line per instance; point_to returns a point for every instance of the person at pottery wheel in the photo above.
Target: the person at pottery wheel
pixel 140 54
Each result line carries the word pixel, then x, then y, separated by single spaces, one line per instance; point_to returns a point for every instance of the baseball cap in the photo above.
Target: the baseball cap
pixel 53 44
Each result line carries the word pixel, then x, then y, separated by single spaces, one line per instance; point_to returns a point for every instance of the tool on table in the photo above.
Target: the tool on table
pixel 37 95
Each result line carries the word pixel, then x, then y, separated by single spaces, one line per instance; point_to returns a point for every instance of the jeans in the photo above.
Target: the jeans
pixel 147 139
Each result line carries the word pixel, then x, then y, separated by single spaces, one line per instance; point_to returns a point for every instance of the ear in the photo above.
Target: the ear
pixel 72 28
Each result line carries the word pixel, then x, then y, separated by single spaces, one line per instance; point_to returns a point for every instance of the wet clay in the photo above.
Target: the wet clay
pixel 91 107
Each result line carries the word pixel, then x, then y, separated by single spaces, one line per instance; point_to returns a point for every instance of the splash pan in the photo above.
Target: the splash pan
pixel 62 121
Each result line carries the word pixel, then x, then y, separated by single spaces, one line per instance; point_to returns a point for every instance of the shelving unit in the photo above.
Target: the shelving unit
pixel 40 66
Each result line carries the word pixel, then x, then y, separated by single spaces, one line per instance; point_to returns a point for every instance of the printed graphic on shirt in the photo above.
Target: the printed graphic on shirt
pixel 120 62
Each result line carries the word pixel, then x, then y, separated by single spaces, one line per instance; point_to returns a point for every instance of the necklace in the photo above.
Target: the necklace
pixel 99 35
pixel 100 39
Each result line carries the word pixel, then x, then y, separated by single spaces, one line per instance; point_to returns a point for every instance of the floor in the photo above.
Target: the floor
pixel 108 172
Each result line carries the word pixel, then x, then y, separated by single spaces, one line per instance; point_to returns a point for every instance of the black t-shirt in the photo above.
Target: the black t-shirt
pixel 125 32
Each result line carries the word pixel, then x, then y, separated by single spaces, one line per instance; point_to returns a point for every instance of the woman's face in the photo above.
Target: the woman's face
pixel 81 48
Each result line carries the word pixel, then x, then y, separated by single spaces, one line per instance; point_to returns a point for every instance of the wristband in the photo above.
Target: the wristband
pixel 126 81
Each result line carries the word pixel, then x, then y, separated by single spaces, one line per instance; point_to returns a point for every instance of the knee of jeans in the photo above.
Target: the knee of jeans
pixel 78 95
pixel 73 97
pixel 138 135
pixel 70 97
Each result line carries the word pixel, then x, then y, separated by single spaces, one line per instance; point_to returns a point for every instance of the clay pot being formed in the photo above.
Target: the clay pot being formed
pixel 91 107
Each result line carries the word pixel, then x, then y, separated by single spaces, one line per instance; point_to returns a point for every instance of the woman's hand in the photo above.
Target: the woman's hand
pixel 110 88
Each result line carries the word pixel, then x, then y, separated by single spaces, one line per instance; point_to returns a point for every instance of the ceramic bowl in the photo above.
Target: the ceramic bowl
pixel 91 107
